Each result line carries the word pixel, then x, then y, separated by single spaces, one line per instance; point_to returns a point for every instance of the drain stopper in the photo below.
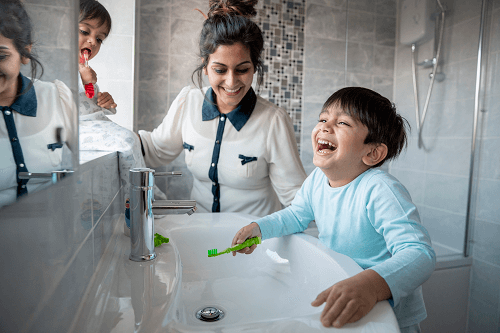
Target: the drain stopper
pixel 210 313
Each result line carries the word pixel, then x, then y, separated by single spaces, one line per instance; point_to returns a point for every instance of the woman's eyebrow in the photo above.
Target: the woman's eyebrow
pixel 221 64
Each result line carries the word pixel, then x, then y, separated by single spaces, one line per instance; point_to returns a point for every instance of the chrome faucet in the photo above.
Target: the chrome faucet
pixel 142 208
pixel 54 176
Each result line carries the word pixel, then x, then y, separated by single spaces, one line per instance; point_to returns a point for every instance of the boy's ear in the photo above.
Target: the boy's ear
pixel 376 154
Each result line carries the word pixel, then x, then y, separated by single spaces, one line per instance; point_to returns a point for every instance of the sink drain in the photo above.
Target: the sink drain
pixel 209 314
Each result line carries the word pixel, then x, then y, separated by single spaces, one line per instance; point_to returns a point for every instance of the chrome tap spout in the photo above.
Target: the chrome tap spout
pixel 142 210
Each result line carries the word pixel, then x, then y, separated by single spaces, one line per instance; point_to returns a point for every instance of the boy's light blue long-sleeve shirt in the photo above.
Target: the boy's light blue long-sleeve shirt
pixel 372 220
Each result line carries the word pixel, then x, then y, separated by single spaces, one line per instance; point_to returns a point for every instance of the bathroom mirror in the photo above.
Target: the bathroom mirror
pixel 114 67
pixel 55 44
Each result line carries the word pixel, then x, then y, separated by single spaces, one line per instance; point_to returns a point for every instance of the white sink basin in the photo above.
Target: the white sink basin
pixel 270 290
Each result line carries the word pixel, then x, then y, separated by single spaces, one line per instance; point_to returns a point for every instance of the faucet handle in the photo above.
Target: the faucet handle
pixel 55 176
pixel 168 174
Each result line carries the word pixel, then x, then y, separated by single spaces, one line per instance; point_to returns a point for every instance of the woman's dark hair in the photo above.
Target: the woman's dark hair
pixel 377 113
pixel 92 9
pixel 15 24
pixel 228 22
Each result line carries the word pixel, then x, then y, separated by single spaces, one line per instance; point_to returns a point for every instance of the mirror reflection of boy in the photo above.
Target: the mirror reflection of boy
pixel 360 211
pixel 94 26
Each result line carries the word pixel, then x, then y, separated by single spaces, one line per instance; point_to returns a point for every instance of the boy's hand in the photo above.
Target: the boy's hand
pixel 351 299
pixel 104 100
pixel 88 74
pixel 249 231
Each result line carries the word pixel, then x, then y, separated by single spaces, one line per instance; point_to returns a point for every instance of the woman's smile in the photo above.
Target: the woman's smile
pixel 230 72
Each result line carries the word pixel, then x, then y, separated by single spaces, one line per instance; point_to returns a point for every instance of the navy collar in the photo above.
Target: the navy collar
pixel 238 117
pixel 26 103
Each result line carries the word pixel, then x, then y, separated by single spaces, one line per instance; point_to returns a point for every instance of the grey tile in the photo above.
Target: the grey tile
pixel 359 58
pixel 361 27
pixel 153 72
pixel 383 60
pixel 324 54
pixel 181 69
pixel 154 36
pixel 484 300
pixel 385 90
pixel 402 64
pixel 153 106
pixel 51 25
pixel 461 42
pixel 486 246
pixel 185 9
pixel 482 317
pixel 450 118
pixel 385 30
pixel 467 79
pixel 446 155
pixel 491 121
pixel 155 7
pixel 364 5
pixel 494 29
pixel 387 7
pixel 446 192
pixel 487 200
pixel 325 22
pixel 320 84
pixel 458 11
pixel 59 3
pixel 334 3
pixel 359 80
pixel 56 65
pixel 184 37
pixel 403 92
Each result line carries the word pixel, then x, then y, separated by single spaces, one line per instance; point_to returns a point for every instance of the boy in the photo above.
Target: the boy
pixel 361 211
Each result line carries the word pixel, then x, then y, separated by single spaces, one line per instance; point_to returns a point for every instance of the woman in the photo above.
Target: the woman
pixel 33 111
pixel 240 148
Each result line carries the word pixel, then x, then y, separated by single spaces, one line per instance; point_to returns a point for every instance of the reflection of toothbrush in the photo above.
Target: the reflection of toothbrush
pixel 89 87
pixel 249 242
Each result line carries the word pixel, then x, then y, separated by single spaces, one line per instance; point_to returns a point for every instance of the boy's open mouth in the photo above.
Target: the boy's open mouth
pixel 325 146
pixel 82 52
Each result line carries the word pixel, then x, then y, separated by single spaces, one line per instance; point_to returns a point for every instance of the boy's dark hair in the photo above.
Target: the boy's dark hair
pixel 92 9
pixel 377 113
pixel 228 23
pixel 15 24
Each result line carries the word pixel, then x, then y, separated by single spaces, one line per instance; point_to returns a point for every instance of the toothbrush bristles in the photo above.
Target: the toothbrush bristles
pixel 212 252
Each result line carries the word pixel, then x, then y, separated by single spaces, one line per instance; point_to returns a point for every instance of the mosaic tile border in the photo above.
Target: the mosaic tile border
pixel 282 23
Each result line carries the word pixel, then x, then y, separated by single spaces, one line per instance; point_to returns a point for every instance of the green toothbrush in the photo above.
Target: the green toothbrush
pixel 249 242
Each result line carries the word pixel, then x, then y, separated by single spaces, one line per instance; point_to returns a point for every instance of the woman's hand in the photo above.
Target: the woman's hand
pixel 88 74
pixel 249 231
pixel 104 100
pixel 351 299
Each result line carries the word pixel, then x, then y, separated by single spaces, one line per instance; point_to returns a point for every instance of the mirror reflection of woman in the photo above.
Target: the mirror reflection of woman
pixel 240 148
pixel 32 110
